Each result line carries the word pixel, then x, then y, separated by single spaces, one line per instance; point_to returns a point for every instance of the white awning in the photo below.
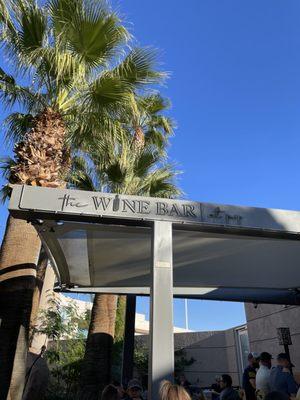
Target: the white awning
pixel 239 254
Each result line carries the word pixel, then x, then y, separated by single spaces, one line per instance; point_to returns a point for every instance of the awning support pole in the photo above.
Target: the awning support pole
pixel 161 360
pixel 128 347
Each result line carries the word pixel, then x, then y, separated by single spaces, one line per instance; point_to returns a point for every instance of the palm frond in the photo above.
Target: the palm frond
pixel 6 78
pixel 138 68
pixel 24 29
pixel 92 132
pixel 145 161
pixel 154 137
pixel 122 170
pixel 162 183
pixel 32 25
pixel 161 122
pixel 11 93
pixel 6 164
pixel 107 91
pixel 153 103
pixel 81 175
pixel 5 17
pixel 17 125
pixel 91 30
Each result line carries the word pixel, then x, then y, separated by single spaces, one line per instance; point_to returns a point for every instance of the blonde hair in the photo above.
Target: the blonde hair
pixel 168 391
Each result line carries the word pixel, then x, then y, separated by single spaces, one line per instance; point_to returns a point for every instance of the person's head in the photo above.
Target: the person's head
pixel 283 360
pixel 168 391
pixel 253 360
pixel 276 396
pixel 182 378
pixel 110 392
pixel 120 388
pixel 266 359
pixel 218 379
pixel 226 381
pixel 134 389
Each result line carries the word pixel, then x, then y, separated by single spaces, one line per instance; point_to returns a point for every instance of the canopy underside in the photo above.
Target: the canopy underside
pixel 106 258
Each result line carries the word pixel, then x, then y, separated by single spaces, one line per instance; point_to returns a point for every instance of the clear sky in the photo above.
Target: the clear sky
pixel 235 89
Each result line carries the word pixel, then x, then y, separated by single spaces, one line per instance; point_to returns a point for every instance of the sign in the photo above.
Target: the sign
pixel 60 202
pixel 284 336
pixel 123 206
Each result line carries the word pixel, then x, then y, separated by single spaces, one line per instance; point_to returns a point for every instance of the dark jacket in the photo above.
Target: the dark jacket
pixel 229 394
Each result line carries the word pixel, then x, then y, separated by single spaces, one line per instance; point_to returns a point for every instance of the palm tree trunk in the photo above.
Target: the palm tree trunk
pixel 42 304
pixel 39 286
pixel 96 366
pixel 18 259
pixel 41 160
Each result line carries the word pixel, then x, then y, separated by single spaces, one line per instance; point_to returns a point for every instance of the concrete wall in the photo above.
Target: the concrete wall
pixel 214 352
pixel 262 323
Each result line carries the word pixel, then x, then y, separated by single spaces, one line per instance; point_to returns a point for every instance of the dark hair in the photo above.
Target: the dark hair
pixel 110 392
pixel 227 380
pixel 265 356
pixel 277 396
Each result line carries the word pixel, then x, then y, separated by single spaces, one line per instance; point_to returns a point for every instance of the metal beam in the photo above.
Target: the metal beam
pixel 128 347
pixel 246 295
pixel 161 360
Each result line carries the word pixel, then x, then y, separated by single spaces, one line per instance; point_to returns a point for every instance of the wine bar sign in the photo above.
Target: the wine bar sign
pixel 64 202
pixel 114 205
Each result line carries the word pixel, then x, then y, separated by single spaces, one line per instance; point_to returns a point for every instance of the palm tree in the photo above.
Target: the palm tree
pixel 118 168
pixel 80 79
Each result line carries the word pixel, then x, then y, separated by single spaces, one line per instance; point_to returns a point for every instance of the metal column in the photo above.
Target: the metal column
pixel 161 360
pixel 128 348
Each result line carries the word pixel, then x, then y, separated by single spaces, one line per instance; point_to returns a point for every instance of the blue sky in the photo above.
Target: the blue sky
pixel 235 90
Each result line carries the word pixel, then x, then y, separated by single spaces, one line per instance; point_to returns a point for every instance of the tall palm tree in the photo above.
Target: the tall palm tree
pixel 118 168
pixel 80 78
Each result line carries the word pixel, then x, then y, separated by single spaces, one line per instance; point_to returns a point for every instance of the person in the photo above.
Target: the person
pixel 120 388
pixel 170 391
pixel 249 376
pixel 216 388
pixel 182 381
pixel 110 392
pixel 228 393
pixel 198 394
pixel 281 379
pixel 263 375
pixel 134 390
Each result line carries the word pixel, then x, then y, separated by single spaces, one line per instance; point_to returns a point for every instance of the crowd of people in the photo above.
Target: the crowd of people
pixel 134 391
pixel 181 390
pixel 261 381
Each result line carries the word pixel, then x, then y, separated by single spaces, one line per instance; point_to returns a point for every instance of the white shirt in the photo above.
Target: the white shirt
pixel 262 379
